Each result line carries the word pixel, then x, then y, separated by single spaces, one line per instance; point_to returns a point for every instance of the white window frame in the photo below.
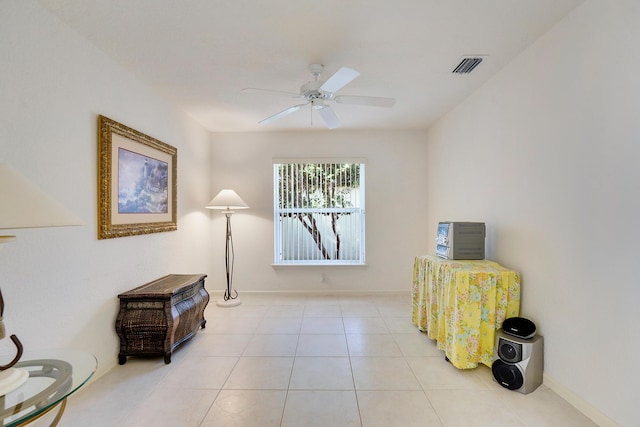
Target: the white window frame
pixel 356 257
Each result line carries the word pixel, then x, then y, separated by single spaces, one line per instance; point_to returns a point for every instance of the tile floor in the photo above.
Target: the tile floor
pixel 310 361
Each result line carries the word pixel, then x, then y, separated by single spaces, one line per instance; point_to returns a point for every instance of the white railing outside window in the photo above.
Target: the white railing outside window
pixel 319 213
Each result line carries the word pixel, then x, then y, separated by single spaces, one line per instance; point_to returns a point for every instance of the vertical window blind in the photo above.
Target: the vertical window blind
pixel 319 213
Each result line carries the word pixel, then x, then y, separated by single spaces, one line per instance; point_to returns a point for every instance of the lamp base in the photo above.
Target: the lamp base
pixel 228 303
pixel 11 379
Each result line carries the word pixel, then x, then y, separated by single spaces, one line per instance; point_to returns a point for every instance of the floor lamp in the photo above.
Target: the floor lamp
pixel 226 200
pixel 23 205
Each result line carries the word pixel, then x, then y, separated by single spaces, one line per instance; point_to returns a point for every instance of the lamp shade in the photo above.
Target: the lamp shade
pixel 227 199
pixel 23 205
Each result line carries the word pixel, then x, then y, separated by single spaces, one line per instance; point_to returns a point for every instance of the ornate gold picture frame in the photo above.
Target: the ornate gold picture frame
pixel 137 192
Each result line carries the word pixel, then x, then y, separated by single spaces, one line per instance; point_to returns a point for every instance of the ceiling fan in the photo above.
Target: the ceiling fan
pixel 318 92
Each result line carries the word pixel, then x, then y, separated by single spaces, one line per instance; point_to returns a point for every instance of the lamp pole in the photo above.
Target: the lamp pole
pixel 229 257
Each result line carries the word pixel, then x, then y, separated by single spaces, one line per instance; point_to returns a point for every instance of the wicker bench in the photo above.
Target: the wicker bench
pixel 157 317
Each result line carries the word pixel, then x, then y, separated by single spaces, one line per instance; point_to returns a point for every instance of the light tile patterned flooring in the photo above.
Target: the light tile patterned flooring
pixel 329 361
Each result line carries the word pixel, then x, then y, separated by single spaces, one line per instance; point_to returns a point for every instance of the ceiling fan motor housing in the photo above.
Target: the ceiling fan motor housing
pixel 311 91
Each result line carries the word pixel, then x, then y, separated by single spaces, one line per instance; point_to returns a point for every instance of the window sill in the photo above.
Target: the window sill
pixel 287 266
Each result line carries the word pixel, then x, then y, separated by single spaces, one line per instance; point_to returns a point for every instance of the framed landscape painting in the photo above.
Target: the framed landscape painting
pixel 136 182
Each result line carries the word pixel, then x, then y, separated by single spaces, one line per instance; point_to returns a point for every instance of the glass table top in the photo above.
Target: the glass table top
pixel 53 376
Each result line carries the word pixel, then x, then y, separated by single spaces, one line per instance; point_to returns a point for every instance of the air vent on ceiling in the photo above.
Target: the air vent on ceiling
pixel 467 64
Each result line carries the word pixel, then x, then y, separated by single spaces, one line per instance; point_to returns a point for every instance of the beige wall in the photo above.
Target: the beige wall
pixel 395 208
pixel 547 155
pixel 60 285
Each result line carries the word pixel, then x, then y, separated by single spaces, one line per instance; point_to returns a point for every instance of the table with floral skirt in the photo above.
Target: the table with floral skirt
pixel 461 303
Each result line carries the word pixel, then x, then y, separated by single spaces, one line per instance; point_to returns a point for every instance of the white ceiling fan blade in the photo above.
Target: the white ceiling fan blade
pixel 341 78
pixel 281 114
pixel 329 117
pixel 374 101
pixel 278 92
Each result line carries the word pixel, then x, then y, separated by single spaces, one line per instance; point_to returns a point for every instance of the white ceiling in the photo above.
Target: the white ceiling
pixel 200 53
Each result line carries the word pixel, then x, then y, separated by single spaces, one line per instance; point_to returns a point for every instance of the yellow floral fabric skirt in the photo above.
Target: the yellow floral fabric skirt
pixel 461 304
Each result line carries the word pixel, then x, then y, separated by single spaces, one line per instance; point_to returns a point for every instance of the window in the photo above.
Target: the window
pixel 318 213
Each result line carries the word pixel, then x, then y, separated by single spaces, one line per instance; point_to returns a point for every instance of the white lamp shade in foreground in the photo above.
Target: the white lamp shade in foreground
pixel 23 205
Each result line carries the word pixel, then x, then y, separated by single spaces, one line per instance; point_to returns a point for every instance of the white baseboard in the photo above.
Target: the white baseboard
pixel 338 293
pixel 579 403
